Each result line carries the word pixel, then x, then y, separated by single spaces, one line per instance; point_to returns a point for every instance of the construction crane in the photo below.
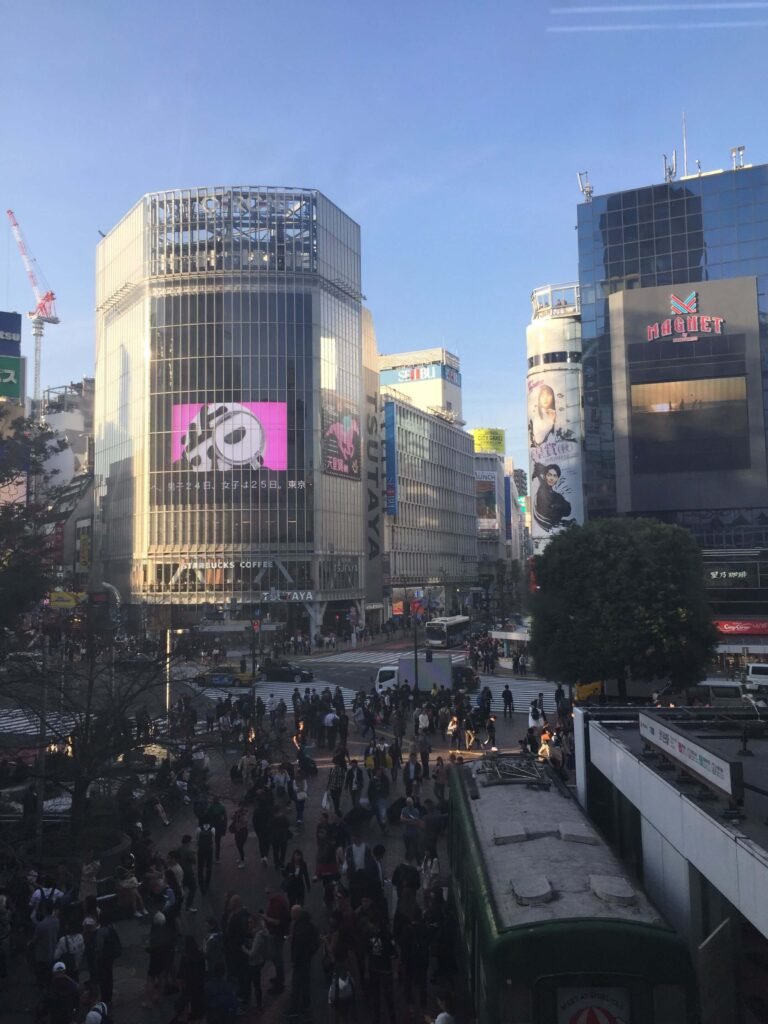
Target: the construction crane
pixel 43 313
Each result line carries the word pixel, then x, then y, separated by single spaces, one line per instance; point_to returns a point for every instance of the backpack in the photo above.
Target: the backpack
pixel 68 958
pixel 342 989
pixel 112 947
pixel 205 840
pixel 535 713
pixel 45 897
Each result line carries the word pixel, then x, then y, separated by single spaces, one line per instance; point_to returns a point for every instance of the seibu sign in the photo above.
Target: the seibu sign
pixel 685 322
pixel 742 627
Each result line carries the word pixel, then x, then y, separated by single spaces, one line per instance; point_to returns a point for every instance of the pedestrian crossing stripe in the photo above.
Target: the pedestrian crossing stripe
pixel 375 658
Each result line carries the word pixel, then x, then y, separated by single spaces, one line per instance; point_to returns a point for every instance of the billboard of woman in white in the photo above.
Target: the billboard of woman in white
pixel 554 440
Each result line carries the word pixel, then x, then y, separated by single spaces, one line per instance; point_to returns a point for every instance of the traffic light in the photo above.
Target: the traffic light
pixel 429 655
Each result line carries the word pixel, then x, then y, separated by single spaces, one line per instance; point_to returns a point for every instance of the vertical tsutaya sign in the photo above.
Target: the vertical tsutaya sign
pixel 554 439
pixel 390 448
pixel 10 376
pixel 373 475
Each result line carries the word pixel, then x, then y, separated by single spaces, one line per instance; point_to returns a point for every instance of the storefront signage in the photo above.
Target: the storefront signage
pixel 685 322
pixel 223 564
pixel 727 776
pixel 742 627
pixel 282 596
pixel 10 376
pixel 390 453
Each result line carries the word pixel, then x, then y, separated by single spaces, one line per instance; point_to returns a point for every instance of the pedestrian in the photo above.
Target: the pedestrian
pixel 508 701
pixel 439 780
pixel 414 943
pixel 379 954
pixel 108 948
pixel 205 842
pixel 42 945
pixel 220 1000
pixel 257 952
pixel 239 828
pixel 305 942
pixel 188 861
pixel 277 918
pixel 300 794
pixel 412 776
pixel 410 819
pixel 62 997
pixel 378 794
pixel 216 816
pixel 335 786
pixel 70 950
pixel 353 782
pixel 425 749
pixel 296 879
pixel 279 834
pixel 160 944
pixel 192 980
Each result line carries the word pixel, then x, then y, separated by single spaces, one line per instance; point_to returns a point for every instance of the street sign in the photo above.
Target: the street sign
pixel 62 599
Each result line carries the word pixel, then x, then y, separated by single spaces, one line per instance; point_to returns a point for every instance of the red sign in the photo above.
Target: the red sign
pixel 685 323
pixel 742 627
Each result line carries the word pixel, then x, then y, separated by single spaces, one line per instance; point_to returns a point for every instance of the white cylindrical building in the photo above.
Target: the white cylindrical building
pixel 555 416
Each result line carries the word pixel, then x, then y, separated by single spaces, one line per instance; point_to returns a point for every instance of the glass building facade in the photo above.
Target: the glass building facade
pixel 675 405
pixel 228 403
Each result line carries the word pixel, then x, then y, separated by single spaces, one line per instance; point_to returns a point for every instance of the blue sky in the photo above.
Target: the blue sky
pixel 452 132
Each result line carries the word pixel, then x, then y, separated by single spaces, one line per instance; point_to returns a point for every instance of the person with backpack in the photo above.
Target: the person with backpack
pixel 534 715
pixel 43 942
pixel 99 1014
pixel 70 950
pixel 216 816
pixel 205 838
pixel 45 892
pixel 62 997
pixel 341 994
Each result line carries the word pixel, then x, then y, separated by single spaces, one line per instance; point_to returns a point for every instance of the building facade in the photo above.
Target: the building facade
pixel 674 321
pixel 430 507
pixel 554 412
pixel 229 391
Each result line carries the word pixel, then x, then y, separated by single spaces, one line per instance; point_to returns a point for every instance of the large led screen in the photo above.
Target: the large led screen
pixel 486 503
pixel 690 425
pixel 227 436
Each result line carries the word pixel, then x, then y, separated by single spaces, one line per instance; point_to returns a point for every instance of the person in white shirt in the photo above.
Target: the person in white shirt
pixel 445 1015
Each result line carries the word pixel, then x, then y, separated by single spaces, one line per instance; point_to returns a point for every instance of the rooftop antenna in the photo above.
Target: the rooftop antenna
pixel 585 188
pixel 698 167
pixel 737 157
pixel 685 148
pixel 670 169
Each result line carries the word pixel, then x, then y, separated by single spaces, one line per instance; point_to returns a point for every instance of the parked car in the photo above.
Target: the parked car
pixel 223 679
pixel 284 672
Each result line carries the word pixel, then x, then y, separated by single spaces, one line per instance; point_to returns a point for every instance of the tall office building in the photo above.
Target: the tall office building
pixel 554 412
pixel 674 321
pixel 229 391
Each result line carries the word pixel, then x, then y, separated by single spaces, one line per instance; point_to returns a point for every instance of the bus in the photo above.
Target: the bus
pixel 448 632
pixel 552 928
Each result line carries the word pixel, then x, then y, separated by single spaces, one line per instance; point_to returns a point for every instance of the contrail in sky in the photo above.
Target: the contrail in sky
pixel 657 26
pixel 747 5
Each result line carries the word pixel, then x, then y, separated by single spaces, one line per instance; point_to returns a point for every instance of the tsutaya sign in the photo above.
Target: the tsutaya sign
pixel 685 322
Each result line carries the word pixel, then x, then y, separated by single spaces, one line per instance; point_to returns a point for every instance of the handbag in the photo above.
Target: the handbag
pixel 325 803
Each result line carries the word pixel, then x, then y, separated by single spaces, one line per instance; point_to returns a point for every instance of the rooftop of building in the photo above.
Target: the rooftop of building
pixel 723 177
pixel 419 357
pixel 544 860
pixel 738 738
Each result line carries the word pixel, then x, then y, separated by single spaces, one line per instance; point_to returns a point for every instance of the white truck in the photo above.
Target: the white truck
pixel 437 671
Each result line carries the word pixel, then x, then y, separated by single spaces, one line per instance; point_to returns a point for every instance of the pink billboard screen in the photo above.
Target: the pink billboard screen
pixel 226 436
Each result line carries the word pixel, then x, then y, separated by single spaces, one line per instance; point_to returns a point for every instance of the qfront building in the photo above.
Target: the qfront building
pixel 674 322
pixel 229 435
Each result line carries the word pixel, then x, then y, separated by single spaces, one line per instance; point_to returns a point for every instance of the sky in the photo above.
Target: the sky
pixel 451 132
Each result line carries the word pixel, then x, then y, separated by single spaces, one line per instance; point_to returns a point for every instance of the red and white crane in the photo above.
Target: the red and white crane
pixel 44 311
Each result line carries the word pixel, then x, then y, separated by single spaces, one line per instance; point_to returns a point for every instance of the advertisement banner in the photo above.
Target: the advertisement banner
pixel 230 435
pixel 390 454
pixel 10 376
pixel 489 439
pixel 554 439
pixel 341 438
pixel 486 501
pixel 10 334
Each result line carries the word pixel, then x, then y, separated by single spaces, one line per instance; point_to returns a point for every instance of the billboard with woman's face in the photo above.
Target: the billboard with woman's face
pixel 554 446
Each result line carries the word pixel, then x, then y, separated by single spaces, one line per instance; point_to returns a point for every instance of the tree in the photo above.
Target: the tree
pixel 620 596
pixel 26 493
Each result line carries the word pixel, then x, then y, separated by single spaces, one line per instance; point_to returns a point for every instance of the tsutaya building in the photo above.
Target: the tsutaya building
pixel 237 415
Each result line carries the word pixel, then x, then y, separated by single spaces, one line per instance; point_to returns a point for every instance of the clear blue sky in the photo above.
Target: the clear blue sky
pixel 451 131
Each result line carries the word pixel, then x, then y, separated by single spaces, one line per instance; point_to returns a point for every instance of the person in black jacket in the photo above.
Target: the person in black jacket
pixel 297 883
pixel 305 942
pixel 353 783
pixel 378 795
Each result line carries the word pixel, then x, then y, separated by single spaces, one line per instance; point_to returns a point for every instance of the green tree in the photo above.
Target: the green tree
pixel 26 493
pixel 621 596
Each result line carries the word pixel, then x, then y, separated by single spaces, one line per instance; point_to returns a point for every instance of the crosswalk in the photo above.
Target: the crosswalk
pixel 523 692
pixel 374 657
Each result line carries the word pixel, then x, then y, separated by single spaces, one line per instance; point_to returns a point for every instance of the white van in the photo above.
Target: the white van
pixel 717 693
pixel 754 675
pixel 386 676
